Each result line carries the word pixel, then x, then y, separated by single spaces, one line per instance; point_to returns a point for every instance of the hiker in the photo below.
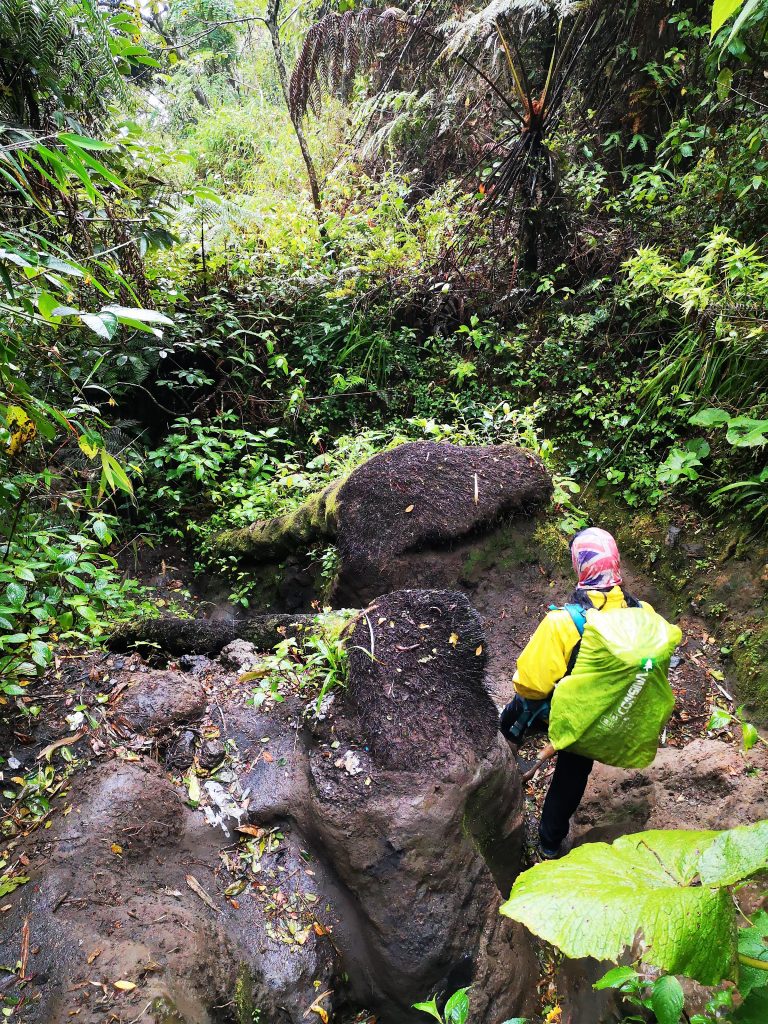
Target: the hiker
pixel 551 656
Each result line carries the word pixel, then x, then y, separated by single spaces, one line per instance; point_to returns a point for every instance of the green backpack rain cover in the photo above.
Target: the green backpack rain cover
pixel 617 699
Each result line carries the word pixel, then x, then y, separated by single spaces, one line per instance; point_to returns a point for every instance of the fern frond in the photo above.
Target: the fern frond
pixel 104 68
pixel 50 49
pixel 520 14
pixel 337 48
pixel 406 111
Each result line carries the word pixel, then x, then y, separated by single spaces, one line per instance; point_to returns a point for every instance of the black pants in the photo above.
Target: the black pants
pixel 563 797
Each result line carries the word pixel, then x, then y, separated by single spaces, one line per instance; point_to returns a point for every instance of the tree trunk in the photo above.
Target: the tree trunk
pixel 203 636
pixel 273 27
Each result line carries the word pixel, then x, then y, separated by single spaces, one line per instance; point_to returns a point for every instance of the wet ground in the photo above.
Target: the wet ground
pixel 78 715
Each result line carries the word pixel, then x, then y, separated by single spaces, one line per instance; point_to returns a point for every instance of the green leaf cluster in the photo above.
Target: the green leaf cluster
pixel 662 897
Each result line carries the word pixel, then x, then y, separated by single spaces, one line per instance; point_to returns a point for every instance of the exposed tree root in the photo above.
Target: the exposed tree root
pixel 202 636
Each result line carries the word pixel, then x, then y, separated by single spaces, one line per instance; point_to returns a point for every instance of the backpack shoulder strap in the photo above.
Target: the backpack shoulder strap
pixel 578 615
pixel 579 618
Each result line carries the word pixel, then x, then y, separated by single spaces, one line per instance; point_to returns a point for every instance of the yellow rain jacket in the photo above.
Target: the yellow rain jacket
pixel 544 661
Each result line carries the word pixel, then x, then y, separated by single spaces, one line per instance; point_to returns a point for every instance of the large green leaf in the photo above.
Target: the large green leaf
pixel 745 432
pixel 82 141
pixel 430 1008
pixel 710 417
pixel 457 1008
pixel 754 1009
pixel 753 943
pixel 641 892
pixel 667 1000
pixel 722 11
pixel 150 316
pixel 735 855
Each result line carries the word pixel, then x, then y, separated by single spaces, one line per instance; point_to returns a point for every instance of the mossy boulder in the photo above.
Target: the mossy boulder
pixel 417 496
pixel 270 539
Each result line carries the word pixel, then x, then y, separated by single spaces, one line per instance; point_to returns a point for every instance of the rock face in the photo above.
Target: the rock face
pixel 368 874
pixel 110 901
pixel 154 701
pixel 426 495
pixel 709 785
pixel 419 846
pixel 418 496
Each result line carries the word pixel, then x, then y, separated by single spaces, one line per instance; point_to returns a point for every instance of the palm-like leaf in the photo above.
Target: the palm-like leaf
pixel 522 14
pixel 50 52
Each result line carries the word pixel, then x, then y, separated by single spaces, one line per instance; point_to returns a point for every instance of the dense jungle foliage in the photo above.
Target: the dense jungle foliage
pixel 242 248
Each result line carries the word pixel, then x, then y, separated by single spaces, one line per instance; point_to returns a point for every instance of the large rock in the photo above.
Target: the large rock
pixel 426 495
pixel 419 846
pixel 109 900
pixel 420 495
pixel 153 702
pixel 397 824
pixel 417 808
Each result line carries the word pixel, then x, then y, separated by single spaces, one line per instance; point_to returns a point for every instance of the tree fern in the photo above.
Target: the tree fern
pixel 53 52
pixel 521 15
pixel 338 48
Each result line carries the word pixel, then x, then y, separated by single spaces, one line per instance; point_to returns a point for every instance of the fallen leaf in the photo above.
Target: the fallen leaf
pixel 318 1009
pixel 266 756
pixel 318 929
pixel 23 958
pixel 116 848
pixel 124 986
pixel 251 830
pixel 127 755
pixel 66 741
pixel 453 639
pixel 196 888
pixel 193 788
pixel 92 956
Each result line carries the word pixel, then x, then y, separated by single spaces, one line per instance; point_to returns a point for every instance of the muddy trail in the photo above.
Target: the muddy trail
pixel 215 841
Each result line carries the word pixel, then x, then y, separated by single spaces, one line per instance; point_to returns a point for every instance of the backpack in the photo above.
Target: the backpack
pixel 615 699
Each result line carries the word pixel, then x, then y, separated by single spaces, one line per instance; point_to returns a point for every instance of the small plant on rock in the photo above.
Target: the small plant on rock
pixel 456 1010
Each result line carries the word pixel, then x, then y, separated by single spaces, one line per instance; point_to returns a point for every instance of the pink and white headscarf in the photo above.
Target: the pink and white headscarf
pixel 596 559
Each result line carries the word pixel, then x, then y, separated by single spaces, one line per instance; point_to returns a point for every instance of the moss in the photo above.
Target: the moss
pixel 481 824
pixel 269 539
pixel 750 657
pixel 553 543
pixel 164 1011
pixel 507 546
pixel 244 1008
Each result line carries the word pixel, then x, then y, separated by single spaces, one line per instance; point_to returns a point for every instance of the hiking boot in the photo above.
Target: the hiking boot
pixel 546 853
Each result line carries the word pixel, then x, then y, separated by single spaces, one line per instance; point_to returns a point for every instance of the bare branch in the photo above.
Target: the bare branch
pixel 212 28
